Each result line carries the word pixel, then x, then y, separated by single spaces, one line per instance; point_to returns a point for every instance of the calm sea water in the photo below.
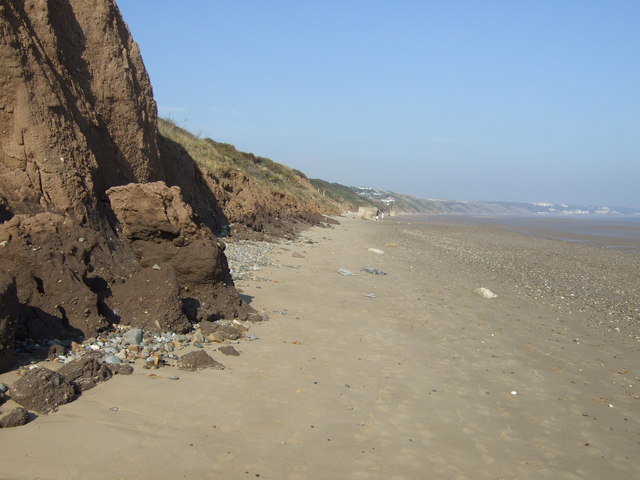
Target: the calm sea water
pixel 613 232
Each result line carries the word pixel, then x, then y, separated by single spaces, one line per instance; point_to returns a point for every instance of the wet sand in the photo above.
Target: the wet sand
pixel 426 380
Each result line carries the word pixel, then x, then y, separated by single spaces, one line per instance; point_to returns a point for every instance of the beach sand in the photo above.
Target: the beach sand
pixel 426 380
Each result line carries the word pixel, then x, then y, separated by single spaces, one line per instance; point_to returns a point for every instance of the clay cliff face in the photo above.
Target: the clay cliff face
pixel 77 117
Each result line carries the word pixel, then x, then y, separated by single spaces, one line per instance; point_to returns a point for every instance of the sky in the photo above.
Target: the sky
pixel 466 100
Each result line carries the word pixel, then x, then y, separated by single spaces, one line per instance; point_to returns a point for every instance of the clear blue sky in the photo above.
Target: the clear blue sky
pixel 467 100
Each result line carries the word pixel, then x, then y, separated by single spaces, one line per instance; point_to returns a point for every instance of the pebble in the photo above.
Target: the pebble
pixel 174 377
pixel 3 387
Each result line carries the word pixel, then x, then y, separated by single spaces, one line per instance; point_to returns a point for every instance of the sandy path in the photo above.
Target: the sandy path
pixel 415 383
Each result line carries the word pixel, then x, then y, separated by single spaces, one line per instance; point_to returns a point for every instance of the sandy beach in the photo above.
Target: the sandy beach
pixel 422 379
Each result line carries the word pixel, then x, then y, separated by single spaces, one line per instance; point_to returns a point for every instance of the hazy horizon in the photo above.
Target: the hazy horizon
pixel 492 101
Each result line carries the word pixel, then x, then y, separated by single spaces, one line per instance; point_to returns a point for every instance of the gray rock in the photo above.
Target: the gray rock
pixel 373 271
pixel 4 387
pixel 112 359
pixel 133 336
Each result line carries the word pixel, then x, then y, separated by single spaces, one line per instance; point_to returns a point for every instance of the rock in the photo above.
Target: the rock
pixel 112 359
pixel 485 292
pixel 55 351
pixel 373 271
pixel 120 368
pixel 375 250
pixel 15 418
pixel 229 350
pixel 133 336
pixel 226 332
pixel 345 272
pixel 215 337
pixel 197 336
pixel 198 360
pixel 3 387
pixel 3 397
pixel 85 373
pixel 42 390
pixel 297 255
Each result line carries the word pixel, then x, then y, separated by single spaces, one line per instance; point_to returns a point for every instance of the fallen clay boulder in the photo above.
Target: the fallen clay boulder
pixel 85 373
pixel 42 390
pixel 15 418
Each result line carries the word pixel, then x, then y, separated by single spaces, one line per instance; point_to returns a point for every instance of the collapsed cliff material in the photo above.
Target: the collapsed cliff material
pixel 77 117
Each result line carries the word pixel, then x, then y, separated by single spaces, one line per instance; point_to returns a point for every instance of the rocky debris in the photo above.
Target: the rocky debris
pixel 229 350
pixel 198 360
pixel 246 258
pixel 85 373
pixel 42 390
pixel 15 418
pixel 227 332
pixel 8 300
pixel 3 387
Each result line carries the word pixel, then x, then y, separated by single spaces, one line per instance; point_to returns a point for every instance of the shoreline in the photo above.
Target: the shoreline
pixel 427 378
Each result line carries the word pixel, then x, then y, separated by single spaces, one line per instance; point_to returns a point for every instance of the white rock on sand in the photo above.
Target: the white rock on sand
pixel 485 292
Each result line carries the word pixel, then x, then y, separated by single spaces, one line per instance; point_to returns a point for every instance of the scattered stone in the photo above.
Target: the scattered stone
pixel 297 255
pixel 375 250
pixel 133 336
pixel 174 377
pixel 3 387
pixel 42 390
pixel 485 292
pixel 370 295
pixel 85 373
pixel 156 267
pixel 373 271
pixel 251 337
pixel 15 418
pixel 345 272
pixel 229 350
pixel 198 360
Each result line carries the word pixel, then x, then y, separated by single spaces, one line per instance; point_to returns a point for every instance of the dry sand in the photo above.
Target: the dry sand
pixel 427 380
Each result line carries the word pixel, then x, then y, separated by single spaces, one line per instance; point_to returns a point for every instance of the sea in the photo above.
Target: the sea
pixel 618 232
